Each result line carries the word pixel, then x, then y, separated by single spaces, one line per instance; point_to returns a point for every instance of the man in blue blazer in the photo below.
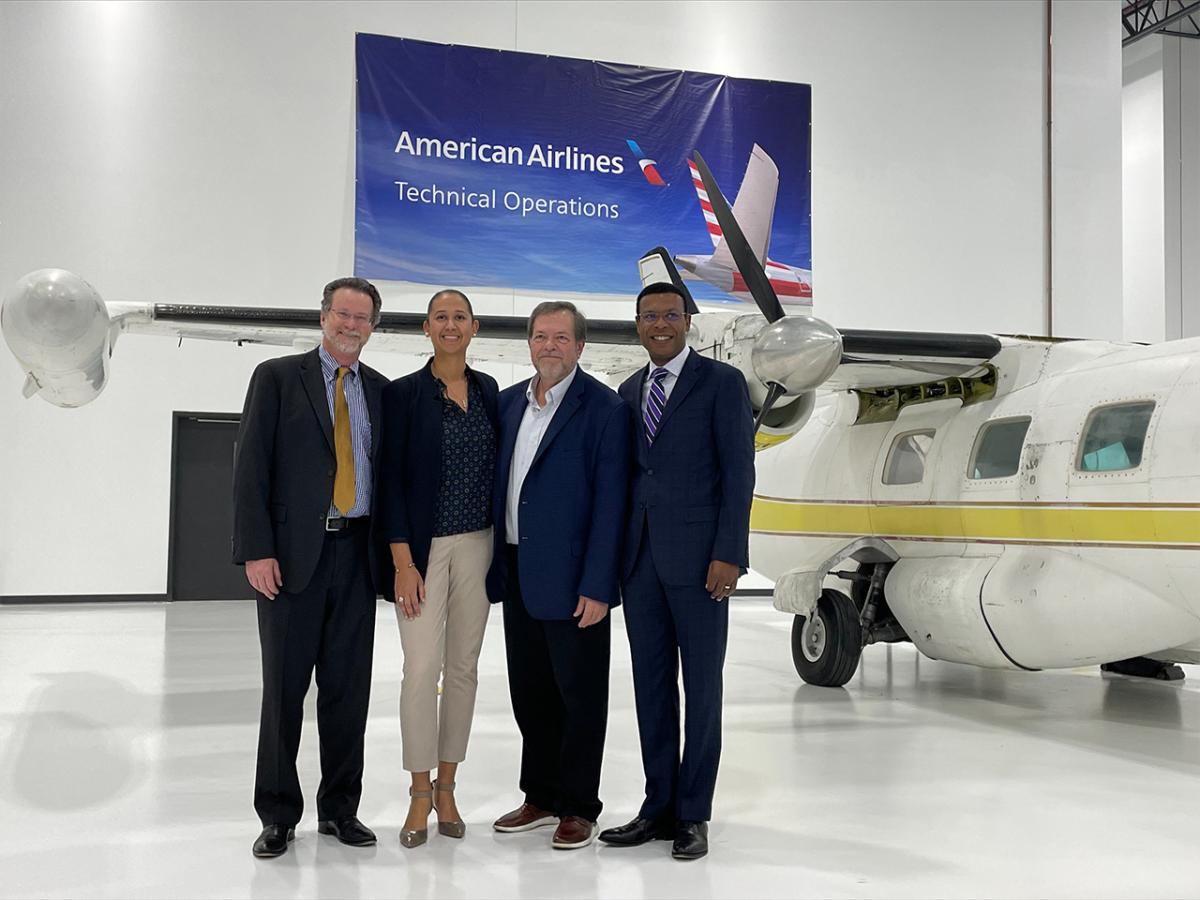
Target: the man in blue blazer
pixel 562 463
pixel 687 541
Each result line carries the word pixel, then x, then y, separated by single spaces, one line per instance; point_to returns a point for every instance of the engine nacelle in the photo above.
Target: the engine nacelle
pixel 784 419
pixel 58 328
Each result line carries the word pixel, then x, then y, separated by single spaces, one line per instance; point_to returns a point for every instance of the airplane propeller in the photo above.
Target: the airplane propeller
pixel 748 264
pixel 793 354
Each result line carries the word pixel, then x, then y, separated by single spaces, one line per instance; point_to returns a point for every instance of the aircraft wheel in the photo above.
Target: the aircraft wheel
pixel 826 649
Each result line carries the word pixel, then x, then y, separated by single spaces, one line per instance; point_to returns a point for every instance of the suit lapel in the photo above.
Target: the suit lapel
pixel 570 405
pixel 639 417
pixel 314 386
pixel 373 391
pixel 688 379
pixel 510 424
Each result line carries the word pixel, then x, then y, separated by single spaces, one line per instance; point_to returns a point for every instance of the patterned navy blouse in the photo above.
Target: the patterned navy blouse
pixel 468 459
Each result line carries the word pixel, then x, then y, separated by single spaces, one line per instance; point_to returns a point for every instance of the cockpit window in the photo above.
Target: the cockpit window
pixel 997 452
pixel 1114 437
pixel 906 459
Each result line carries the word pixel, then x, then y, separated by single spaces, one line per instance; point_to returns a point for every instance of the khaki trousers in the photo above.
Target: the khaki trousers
pixel 444 640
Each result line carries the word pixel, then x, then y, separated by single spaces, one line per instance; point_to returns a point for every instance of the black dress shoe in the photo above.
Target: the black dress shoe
pixel 691 840
pixel 639 831
pixel 274 841
pixel 348 830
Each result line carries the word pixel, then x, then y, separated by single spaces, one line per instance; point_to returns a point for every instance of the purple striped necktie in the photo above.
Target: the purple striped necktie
pixel 656 402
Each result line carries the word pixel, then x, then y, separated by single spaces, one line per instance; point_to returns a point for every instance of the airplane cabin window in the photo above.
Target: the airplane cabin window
pixel 997 452
pixel 1114 437
pixel 906 461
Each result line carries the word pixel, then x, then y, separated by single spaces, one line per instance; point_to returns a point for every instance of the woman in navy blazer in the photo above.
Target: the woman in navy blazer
pixel 436 477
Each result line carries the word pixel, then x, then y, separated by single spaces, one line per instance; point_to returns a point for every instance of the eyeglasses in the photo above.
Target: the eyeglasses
pixel 358 319
pixel 649 318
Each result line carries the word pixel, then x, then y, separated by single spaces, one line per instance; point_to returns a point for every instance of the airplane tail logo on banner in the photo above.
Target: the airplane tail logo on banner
pixel 648 165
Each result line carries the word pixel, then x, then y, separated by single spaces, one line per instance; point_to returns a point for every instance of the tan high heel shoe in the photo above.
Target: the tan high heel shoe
pixel 456 829
pixel 415 837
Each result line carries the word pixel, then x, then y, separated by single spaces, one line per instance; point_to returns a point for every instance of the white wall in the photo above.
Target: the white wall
pixel 203 153
pixel 1161 102
pixel 1085 159
pixel 1144 219
pixel 1189 187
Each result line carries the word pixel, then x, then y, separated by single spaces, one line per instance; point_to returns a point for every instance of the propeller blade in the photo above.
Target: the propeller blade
pixel 774 392
pixel 747 263
pixel 657 265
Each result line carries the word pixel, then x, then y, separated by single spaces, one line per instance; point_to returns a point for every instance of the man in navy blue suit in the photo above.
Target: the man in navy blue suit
pixel 562 466
pixel 687 542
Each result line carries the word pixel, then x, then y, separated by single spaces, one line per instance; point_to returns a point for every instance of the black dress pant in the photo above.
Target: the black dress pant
pixel 670 625
pixel 558 679
pixel 329 626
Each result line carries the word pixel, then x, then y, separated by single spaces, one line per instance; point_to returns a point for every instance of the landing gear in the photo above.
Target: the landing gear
pixel 1144 667
pixel 826 647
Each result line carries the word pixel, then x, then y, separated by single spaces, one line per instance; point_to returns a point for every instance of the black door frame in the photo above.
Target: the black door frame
pixel 176 417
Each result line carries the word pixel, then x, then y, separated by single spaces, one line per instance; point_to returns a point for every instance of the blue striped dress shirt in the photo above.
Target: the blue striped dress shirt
pixel 360 431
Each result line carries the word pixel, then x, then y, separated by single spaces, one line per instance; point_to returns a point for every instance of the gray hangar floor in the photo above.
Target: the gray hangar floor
pixel 127 742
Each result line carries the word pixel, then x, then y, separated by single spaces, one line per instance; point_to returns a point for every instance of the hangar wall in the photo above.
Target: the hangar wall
pixel 1143 182
pixel 1085 154
pixel 1161 103
pixel 203 153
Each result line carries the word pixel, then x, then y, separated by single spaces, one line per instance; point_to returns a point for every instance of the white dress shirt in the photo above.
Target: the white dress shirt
pixel 674 367
pixel 534 422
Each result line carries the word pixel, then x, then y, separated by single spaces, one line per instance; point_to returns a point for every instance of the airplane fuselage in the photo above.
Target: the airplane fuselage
pixel 1082 554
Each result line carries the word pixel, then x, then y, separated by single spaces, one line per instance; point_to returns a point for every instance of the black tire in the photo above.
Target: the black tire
pixel 827 655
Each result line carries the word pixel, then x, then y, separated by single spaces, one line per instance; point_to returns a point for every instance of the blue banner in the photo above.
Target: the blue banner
pixel 517 170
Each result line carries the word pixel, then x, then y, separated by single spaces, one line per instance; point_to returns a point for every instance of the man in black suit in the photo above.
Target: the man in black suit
pixel 303 477
pixel 686 543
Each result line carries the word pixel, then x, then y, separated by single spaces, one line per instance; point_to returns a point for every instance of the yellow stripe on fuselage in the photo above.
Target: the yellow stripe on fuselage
pixel 1166 525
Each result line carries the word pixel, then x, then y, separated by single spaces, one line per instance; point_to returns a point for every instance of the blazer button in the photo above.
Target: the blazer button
pixel 649 471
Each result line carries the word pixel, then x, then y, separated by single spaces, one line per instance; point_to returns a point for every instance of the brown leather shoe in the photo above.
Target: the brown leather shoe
pixel 573 832
pixel 525 818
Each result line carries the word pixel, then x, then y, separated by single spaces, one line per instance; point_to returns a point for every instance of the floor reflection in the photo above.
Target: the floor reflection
pixel 127 744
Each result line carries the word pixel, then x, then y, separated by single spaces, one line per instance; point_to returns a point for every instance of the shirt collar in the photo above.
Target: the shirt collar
pixel 329 365
pixel 554 394
pixel 467 370
pixel 675 366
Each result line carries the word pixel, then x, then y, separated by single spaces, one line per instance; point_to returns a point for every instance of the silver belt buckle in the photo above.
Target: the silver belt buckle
pixel 335 523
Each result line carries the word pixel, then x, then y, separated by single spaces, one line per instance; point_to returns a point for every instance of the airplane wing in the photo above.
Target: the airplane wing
pixel 886 359
pixel 62 334
pixel 613 346
pixel 869 359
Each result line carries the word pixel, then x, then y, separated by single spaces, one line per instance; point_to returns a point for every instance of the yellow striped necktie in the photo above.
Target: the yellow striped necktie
pixel 343 482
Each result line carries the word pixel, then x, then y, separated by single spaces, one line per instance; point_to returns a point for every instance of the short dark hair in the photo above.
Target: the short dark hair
pixel 355 284
pixel 554 306
pixel 661 287
pixel 453 293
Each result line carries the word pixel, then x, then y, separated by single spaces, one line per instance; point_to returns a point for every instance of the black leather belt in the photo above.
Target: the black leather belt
pixel 342 524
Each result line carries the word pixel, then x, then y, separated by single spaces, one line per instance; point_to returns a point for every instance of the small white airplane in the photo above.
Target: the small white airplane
pixel 1003 502
pixel 754 211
